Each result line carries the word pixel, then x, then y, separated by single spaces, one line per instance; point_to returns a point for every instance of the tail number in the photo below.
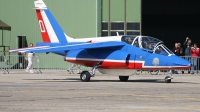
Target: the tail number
pixel 42 28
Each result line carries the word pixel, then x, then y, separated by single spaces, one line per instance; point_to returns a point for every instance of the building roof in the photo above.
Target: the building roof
pixel 4 26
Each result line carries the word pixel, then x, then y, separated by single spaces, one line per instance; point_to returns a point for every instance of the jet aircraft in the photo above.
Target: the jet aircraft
pixel 113 55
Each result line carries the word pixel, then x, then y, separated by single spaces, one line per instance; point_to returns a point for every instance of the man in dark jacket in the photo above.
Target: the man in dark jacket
pixel 176 50
pixel 188 44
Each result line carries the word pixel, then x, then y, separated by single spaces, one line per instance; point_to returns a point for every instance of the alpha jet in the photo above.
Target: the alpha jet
pixel 113 55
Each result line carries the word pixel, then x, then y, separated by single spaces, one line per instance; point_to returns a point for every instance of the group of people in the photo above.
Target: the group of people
pixel 192 52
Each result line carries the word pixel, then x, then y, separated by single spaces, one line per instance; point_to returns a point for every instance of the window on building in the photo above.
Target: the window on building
pixel 114 33
pixel 133 33
pixel 104 26
pixel 104 33
pixel 117 26
pixel 132 28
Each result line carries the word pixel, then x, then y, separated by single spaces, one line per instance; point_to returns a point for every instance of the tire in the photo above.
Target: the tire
pixel 167 80
pixel 85 76
pixel 123 78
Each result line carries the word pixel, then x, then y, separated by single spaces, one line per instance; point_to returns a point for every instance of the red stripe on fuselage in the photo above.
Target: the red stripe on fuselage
pixel 43 30
pixel 114 65
pixel 105 64
pixel 83 62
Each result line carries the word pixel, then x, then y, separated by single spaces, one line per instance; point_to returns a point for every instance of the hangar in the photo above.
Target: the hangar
pixel 168 20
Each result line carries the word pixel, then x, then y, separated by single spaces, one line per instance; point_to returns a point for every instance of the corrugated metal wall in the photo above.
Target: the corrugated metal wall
pixel 78 18
pixel 122 16
pixel 133 10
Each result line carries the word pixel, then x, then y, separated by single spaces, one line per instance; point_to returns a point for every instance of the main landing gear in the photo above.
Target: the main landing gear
pixel 85 75
pixel 169 77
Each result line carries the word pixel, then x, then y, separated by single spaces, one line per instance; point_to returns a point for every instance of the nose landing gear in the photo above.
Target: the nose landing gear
pixel 169 77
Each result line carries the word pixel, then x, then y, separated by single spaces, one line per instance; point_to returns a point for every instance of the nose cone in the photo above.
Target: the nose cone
pixel 178 62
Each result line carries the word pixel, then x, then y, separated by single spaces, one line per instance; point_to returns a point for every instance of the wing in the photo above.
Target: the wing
pixel 44 49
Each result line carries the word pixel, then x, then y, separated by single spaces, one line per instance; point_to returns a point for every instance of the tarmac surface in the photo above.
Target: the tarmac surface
pixel 58 91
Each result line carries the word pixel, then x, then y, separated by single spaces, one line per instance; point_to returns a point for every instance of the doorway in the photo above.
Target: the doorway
pixel 171 20
pixel 21 43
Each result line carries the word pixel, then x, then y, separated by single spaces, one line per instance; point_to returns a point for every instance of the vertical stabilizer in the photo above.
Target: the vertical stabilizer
pixel 49 27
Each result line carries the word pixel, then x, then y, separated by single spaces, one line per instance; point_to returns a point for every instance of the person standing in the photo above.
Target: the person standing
pixel 195 51
pixel 181 53
pixel 30 57
pixel 177 51
pixel 181 49
pixel 187 45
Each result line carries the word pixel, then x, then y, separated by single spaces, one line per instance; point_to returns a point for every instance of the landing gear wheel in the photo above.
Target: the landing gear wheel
pixel 123 78
pixel 85 76
pixel 167 79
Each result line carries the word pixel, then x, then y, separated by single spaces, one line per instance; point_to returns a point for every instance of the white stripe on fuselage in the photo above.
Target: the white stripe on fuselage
pixel 52 35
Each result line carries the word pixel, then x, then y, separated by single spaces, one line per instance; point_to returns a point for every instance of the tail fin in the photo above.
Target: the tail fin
pixel 49 28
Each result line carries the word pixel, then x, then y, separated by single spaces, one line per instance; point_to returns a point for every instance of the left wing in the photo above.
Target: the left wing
pixel 43 49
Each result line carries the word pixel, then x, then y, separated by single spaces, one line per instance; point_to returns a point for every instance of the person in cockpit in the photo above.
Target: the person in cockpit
pixel 130 40
pixel 136 43
pixel 144 44
pixel 150 46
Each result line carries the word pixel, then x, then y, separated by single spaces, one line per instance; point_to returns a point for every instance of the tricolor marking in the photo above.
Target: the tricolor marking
pixel 121 64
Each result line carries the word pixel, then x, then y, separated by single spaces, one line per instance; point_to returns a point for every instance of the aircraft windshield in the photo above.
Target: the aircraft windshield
pixel 128 39
pixel 163 50
pixel 149 42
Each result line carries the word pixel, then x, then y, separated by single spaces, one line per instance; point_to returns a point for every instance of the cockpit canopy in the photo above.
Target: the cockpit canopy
pixel 146 43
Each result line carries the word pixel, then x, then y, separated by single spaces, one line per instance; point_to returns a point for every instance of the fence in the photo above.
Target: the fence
pixel 194 62
pixel 41 62
pixel 56 62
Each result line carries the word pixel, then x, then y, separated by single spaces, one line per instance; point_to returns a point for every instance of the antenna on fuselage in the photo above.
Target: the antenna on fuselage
pixel 117 33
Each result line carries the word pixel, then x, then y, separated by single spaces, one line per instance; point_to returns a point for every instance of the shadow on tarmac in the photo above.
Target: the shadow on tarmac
pixel 78 80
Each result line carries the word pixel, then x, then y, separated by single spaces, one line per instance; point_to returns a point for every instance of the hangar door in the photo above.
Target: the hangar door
pixel 171 20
